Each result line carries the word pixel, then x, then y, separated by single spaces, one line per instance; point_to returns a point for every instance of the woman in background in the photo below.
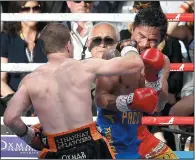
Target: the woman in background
pixel 19 44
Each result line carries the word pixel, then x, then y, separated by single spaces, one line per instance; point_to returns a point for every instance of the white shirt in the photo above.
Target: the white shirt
pixel 78 41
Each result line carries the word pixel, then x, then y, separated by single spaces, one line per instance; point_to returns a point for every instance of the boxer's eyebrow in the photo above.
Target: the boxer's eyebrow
pixel 141 34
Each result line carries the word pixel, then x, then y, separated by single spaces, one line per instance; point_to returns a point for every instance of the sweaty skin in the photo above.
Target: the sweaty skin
pixel 108 88
pixel 61 94
pixel 146 37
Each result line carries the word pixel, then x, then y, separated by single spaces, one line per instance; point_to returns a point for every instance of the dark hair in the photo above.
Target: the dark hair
pixel 54 37
pixel 14 27
pixel 153 17
pixel 155 4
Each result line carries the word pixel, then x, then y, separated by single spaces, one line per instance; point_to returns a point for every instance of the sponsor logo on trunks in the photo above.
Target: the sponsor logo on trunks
pixel 131 117
pixel 108 134
pixel 80 155
pixel 168 154
pixel 156 151
pixel 70 140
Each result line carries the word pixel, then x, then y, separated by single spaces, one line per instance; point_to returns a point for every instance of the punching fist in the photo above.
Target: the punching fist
pixel 33 137
pixel 120 49
pixel 126 46
pixel 126 42
pixel 154 61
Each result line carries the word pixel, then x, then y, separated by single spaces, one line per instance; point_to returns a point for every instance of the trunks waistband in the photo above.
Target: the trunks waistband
pixel 71 138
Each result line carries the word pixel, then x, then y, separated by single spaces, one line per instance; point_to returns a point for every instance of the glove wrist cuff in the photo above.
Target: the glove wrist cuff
pixel 123 101
pixel 127 49
pixel 157 85
pixel 28 137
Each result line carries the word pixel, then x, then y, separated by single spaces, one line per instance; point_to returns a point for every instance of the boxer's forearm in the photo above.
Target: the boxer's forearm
pixel 184 107
pixel 106 101
pixel 16 125
pixel 162 96
pixel 163 93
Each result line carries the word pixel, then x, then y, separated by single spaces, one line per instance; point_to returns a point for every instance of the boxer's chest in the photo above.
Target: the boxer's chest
pixel 127 84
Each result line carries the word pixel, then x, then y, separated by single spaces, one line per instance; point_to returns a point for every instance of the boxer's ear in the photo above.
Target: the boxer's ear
pixel 69 47
pixel 131 28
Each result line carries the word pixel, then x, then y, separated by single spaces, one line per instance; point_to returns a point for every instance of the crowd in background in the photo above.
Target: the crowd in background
pixel 20 44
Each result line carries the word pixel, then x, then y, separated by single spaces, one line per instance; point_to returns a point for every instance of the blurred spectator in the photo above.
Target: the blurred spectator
pixel 187 92
pixel 172 48
pixel 113 7
pixel 19 44
pixel 80 30
pixel 101 7
pixel 184 105
pixel 54 6
pixel 1 9
pixel 5 5
pixel 183 7
pixel 186 34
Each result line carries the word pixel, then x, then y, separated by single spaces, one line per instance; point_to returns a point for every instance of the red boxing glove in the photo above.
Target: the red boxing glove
pixel 33 137
pixel 154 62
pixel 145 100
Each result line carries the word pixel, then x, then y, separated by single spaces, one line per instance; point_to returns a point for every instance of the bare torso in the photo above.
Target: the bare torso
pixel 61 96
pixel 124 85
pixel 121 85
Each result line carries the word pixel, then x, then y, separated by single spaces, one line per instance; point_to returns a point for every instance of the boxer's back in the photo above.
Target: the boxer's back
pixel 61 96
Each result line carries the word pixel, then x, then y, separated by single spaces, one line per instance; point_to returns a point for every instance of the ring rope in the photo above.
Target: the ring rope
pixel 176 131
pixel 29 67
pixel 152 121
pixel 108 17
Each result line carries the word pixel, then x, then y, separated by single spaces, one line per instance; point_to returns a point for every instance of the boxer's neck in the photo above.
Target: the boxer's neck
pixel 57 57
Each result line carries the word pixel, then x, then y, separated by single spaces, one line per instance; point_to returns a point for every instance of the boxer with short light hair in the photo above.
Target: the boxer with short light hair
pixel 121 100
pixel 60 94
